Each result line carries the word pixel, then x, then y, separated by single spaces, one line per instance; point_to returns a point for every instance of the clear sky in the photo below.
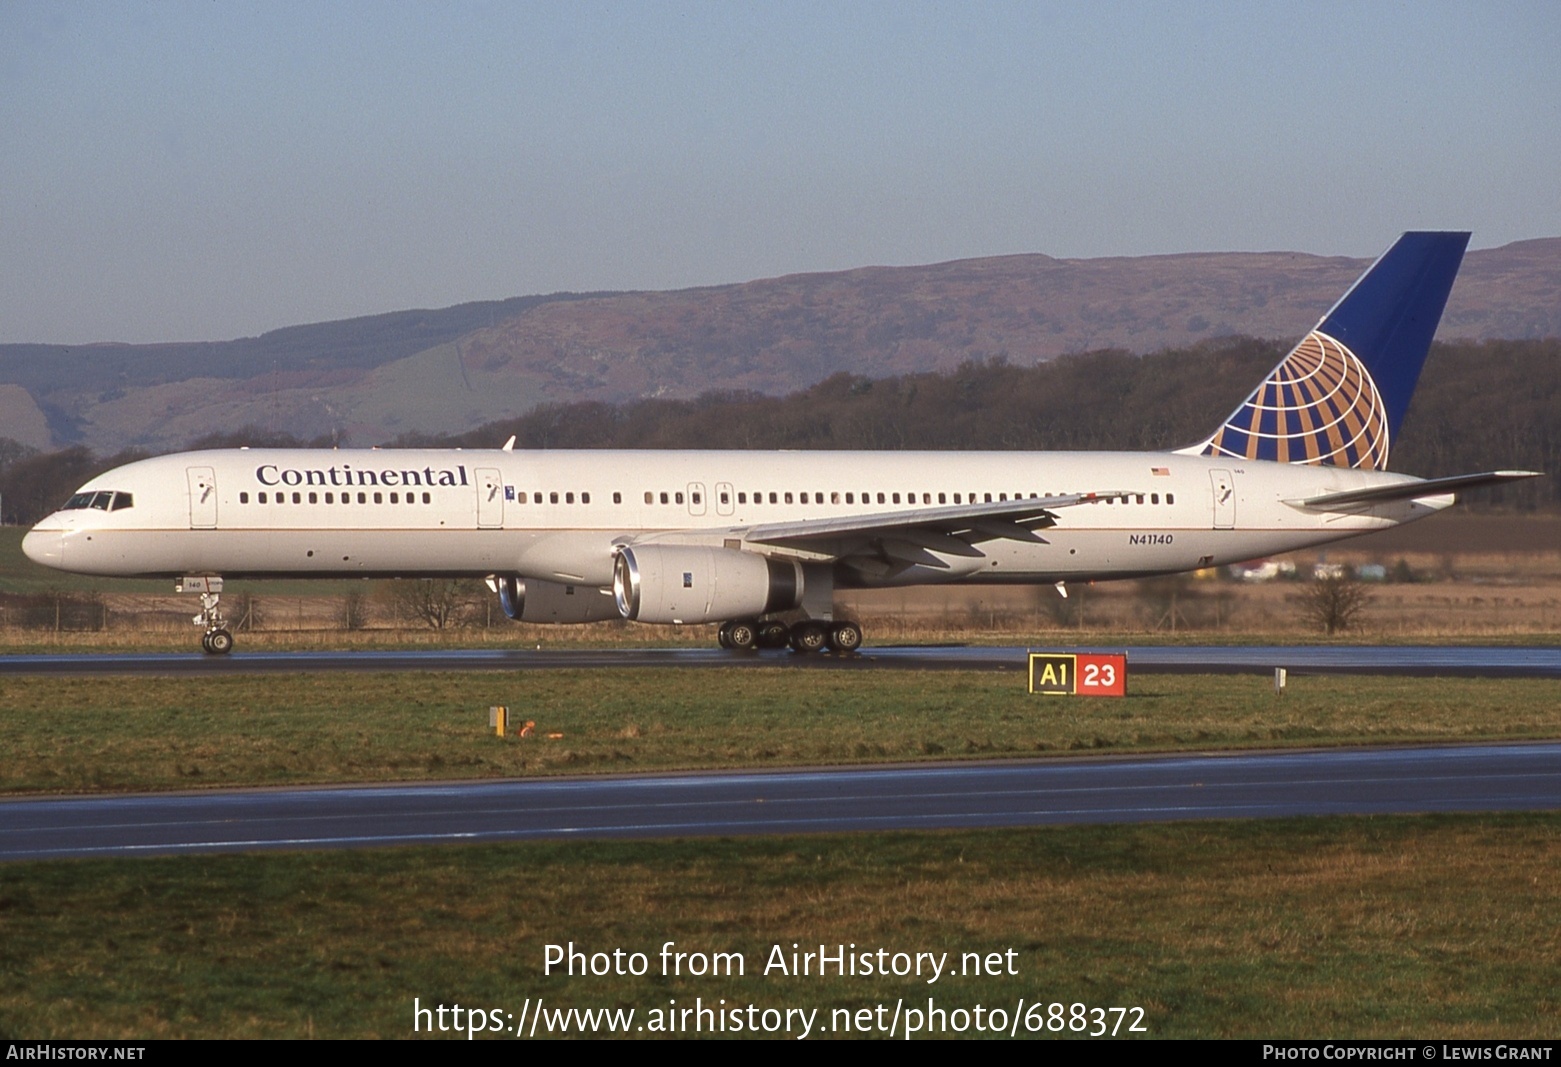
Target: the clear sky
pixel 184 171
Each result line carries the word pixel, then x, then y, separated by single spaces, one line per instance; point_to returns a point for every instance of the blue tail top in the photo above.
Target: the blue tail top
pixel 1339 397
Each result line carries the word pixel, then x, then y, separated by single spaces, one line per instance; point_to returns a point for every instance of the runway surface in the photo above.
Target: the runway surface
pixel 1446 661
pixel 1022 793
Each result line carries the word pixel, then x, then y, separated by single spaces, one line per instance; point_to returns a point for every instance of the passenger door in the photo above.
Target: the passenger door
pixel 1224 499
pixel 203 497
pixel 490 499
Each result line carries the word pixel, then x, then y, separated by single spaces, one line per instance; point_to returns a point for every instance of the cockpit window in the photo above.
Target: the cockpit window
pixel 105 500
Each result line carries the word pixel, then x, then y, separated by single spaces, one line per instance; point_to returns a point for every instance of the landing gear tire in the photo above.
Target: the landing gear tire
pixel 723 636
pixel 845 637
pixel 808 636
pixel 217 642
pixel 743 636
pixel 773 634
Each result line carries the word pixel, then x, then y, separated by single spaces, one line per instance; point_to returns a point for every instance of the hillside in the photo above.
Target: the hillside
pixel 425 372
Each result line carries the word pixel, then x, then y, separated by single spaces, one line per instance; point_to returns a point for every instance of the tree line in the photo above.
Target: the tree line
pixel 1480 406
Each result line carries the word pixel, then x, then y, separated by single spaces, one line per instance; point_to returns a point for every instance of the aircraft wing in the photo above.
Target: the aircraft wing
pixel 1410 490
pixel 912 536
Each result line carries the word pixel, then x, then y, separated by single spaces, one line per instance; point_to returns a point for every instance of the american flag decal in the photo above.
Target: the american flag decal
pixel 1318 407
pixel 1160 472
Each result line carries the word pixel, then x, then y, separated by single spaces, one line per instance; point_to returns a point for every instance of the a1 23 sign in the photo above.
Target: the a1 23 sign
pixel 1084 674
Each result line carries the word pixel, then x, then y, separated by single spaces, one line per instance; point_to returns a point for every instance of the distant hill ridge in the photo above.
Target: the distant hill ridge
pixel 442 371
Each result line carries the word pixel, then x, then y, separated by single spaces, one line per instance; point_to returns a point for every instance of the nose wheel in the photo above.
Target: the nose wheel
pixel 218 639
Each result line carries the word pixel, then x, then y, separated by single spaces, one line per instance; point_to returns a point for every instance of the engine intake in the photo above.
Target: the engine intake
pixel 690 583
pixel 533 600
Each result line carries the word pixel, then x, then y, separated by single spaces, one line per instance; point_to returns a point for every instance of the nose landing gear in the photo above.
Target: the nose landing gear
pixel 217 640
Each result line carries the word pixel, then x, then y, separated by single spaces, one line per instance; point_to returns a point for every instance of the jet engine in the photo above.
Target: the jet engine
pixel 690 583
pixel 533 600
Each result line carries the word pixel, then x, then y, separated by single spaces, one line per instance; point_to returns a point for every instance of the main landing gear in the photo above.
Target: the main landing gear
pixel 218 639
pixel 809 635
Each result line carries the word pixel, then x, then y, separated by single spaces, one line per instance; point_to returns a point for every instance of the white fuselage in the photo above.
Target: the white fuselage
pixel 557 516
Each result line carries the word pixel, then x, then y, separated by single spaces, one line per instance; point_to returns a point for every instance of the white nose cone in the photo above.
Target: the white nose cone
pixel 46 547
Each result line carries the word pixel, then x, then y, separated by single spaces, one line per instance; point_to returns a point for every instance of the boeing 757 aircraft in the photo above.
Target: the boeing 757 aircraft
pixel 741 538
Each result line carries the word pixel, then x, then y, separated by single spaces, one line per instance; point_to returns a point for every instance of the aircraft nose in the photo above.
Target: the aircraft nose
pixel 46 547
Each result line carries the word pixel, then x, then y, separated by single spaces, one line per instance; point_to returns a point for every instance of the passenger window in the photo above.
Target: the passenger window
pixel 956 498
pixel 379 498
pixel 788 498
pixel 943 498
pixel 395 498
pixel 427 499
pixel 988 499
pixel 585 498
pixel 536 498
pixel 314 498
pixel 569 498
pixel 881 500
pixel 330 498
pixel 663 498
pixel 850 498
pixel 617 498
pixel 1140 498
pixel 1170 498
pixel 926 498
pixel 772 498
pixel 1154 498
pixel 678 497
pixel 896 498
pixel 298 498
pixel 726 498
pixel 649 498
pixel 363 498
pixel 804 498
pixel 243 498
pixel 552 498
pixel 281 498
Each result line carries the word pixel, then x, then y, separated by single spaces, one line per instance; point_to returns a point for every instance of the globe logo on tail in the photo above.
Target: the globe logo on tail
pixel 1318 407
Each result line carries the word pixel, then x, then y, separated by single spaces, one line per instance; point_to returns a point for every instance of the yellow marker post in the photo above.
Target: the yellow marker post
pixel 498 720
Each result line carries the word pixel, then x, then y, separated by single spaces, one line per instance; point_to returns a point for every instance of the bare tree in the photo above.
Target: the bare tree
pixel 1335 603
pixel 439 603
pixel 354 611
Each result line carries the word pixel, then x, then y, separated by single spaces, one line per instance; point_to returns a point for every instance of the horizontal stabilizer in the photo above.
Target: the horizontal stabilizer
pixel 1412 490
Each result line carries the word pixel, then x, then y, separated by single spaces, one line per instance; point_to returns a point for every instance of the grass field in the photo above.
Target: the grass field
pixel 1434 926
pixel 94 734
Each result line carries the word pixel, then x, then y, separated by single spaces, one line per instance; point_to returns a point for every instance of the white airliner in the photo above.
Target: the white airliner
pixel 743 537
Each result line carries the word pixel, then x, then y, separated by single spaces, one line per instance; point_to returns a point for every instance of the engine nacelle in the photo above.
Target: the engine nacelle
pixel 532 600
pixel 690 583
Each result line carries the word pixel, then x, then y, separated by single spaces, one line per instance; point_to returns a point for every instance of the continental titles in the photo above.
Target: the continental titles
pixel 270 474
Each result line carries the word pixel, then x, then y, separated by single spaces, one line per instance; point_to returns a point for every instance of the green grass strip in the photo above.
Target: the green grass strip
pixel 116 734
pixel 1431 926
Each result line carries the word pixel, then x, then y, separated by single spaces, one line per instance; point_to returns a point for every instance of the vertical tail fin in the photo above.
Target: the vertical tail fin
pixel 1339 397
